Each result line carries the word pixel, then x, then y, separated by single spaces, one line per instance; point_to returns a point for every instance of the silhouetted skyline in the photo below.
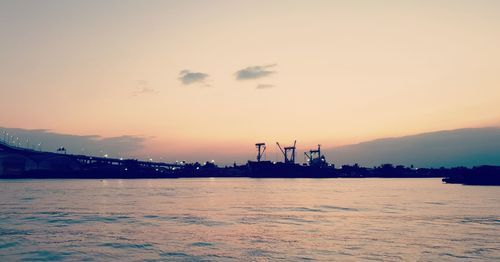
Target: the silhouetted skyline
pixel 451 148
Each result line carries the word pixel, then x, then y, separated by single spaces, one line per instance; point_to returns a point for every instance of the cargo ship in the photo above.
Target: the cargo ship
pixel 315 166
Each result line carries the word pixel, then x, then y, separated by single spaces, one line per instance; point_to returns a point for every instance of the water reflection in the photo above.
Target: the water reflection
pixel 248 219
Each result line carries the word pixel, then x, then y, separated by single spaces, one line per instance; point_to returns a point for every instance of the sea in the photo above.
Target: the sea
pixel 244 219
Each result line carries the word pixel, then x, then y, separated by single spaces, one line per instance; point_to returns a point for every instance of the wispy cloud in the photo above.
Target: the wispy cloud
pixel 188 77
pixel 46 140
pixel 143 87
pixel 254 72
pixel 264 86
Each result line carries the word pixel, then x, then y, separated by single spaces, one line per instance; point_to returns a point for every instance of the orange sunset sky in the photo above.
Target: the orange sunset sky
pixel 199 76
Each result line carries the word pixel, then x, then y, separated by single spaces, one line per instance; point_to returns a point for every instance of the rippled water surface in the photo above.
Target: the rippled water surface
pixel 248 219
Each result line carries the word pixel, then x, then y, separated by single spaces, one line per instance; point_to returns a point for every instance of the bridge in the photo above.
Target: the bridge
pixel 15 160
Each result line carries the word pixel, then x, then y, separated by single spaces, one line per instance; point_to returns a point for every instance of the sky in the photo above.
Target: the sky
pixel 197 79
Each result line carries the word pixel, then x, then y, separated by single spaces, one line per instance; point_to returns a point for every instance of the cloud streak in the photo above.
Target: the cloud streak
pixel 41 139
pixel 264 86
pixel 188 77
pixel 143 87
pixel 255 72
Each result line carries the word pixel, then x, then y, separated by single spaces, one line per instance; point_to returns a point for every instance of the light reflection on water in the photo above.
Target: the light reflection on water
pixel 248 219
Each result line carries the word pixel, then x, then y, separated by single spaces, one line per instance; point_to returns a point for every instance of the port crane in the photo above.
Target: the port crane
pixel 314 158
pixel 288 153
pixel 261 149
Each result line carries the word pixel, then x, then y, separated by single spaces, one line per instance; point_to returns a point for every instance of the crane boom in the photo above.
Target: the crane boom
pixel 282 151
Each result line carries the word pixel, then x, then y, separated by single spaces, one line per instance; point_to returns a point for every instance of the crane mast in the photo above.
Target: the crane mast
pixel 261 149
pixel 288 153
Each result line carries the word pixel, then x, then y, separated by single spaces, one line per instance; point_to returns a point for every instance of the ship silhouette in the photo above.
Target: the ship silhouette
pixel 316 166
